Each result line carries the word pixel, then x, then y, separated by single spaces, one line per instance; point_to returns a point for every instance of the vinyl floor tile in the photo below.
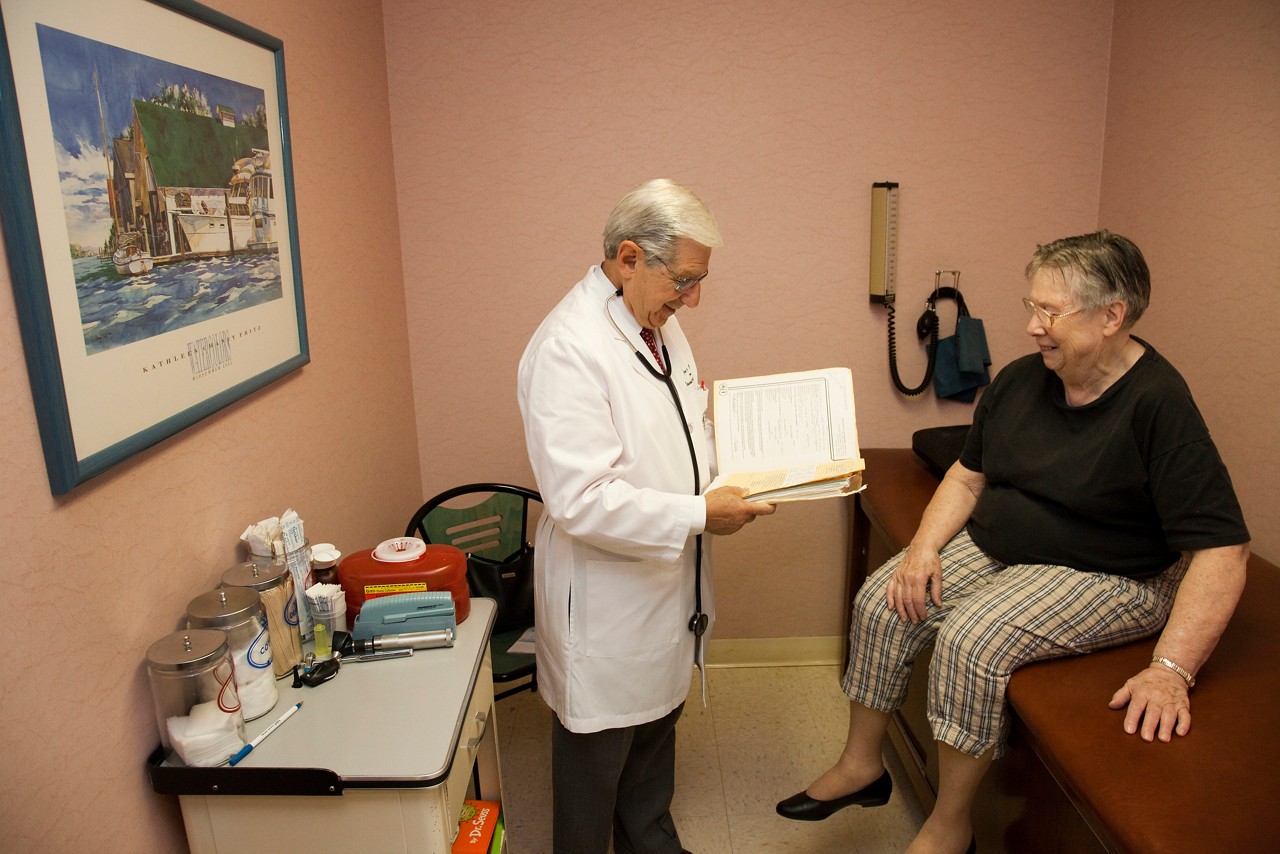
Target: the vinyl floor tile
pixel 767 733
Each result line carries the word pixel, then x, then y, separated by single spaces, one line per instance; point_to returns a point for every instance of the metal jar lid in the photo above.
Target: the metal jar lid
pixel 194 649
pixel 259 574
pixel 226 606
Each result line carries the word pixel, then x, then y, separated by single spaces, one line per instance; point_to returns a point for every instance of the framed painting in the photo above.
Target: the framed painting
pixel 147 203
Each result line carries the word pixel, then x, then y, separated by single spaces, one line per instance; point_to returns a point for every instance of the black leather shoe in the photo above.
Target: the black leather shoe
pixel 801 807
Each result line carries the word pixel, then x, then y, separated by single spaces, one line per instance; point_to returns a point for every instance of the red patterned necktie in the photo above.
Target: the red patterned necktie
pixel 647 335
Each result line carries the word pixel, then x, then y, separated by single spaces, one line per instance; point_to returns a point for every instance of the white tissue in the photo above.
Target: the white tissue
pixel 206 737
pixel 255 685
pixel 259 695
pixel 265 538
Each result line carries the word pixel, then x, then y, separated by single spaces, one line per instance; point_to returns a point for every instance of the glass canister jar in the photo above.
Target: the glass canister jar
pixel 196 704
pixel 270 577
pixel 238 611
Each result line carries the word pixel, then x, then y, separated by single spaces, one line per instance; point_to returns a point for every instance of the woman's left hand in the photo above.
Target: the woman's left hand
pixel 916 581
pixel 1159 704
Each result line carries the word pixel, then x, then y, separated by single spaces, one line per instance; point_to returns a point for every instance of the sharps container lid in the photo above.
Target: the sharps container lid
pixel 257 574
pixel 193 649
pixel 400 550
pixel 226 606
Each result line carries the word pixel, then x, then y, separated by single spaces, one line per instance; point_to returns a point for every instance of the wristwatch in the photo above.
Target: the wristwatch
pixel 1178 669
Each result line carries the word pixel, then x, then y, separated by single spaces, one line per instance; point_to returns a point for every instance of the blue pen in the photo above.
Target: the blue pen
pixel 244 751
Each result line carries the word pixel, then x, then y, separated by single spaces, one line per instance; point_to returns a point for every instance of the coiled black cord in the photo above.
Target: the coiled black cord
pixel 932 357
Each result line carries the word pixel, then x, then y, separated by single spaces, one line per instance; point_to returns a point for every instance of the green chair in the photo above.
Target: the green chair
pixel 490 523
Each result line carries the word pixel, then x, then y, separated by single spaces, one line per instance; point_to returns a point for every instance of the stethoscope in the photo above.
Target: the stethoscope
pixel 699 621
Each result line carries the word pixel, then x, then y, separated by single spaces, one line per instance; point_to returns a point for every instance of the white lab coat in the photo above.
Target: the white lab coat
pixel 614 556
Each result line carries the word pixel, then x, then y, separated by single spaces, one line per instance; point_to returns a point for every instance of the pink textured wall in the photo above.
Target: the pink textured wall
pixel 93 578
pixel 1192 173
pixel 517 126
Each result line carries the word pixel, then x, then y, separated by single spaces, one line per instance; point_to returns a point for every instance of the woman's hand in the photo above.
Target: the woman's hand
pixel 1159 704
pixel 919 573
pixel 1158 701
pixel 918 576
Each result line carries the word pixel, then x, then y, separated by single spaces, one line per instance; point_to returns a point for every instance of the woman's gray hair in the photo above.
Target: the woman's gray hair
pixel 1107 267
pixel 654 216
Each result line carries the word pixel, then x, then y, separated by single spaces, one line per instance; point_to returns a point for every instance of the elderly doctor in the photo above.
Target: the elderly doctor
pixel 613 413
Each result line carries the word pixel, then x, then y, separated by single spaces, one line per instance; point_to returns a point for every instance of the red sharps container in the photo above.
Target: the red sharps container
pixel 404 565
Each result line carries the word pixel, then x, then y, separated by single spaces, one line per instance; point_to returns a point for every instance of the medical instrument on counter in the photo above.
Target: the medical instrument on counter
pixel 312 673
pixel 699 621
pixel 382 655
pixel 349 647
pixel 405 613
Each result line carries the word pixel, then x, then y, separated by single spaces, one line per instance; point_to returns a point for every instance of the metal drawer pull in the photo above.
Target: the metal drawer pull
pixel 474 742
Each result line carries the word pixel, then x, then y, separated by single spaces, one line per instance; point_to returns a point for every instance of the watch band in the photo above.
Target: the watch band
pixel 1178 669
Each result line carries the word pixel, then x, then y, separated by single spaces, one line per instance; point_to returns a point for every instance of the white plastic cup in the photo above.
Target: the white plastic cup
pixel 334 621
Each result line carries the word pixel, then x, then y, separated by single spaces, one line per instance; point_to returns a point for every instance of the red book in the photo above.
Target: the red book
pixel 476 826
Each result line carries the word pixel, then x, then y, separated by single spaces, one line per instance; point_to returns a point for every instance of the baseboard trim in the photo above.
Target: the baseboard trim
pixel 776 652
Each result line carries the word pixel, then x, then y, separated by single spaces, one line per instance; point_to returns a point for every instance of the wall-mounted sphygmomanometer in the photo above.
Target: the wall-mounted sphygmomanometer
pixel 883 284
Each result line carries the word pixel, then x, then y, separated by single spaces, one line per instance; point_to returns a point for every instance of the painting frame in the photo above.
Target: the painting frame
pixel 97 408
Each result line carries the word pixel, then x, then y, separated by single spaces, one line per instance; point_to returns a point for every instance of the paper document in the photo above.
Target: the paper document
pixel 788 437
pixel 524 645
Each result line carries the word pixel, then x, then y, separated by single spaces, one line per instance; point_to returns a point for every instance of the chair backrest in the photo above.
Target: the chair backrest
pixel 489 520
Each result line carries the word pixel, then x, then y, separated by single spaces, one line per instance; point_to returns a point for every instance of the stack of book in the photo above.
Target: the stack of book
pixel 480 828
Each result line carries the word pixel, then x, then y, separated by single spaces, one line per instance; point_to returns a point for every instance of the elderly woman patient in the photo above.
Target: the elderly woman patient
pixel 1088 508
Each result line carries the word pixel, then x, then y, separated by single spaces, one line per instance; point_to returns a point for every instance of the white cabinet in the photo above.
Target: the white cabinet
pixel 385 753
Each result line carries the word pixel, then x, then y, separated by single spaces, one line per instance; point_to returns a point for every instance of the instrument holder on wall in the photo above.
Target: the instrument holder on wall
pixel 926 327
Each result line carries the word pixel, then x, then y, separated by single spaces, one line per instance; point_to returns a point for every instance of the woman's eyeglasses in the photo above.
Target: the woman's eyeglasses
pixel 1047 317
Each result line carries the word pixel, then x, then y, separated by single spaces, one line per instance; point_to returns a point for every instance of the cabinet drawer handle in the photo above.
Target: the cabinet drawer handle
pixel 474 741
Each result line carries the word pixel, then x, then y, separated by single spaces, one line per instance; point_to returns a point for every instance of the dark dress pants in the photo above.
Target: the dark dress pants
pixel 616 781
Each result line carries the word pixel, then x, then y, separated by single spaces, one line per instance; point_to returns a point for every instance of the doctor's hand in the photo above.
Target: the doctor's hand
pixel 727 510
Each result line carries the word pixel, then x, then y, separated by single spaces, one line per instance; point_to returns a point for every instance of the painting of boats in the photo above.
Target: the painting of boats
pixel 130 254
pixel 207 234
pixel 239 218
pixel 131 257
pixel 149 220
pixel 183 177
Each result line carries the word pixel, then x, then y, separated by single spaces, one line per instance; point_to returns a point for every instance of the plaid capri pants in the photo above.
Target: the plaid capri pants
pixel 993 619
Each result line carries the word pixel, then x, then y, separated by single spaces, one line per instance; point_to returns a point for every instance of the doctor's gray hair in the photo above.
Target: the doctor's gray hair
pixel 654 216
pixel 1107 268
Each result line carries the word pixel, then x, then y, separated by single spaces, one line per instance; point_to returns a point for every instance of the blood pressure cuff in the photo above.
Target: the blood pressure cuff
pixel 962 361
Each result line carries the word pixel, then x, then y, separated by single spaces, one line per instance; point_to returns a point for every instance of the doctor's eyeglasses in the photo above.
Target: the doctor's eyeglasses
pixel 1048 318
pixel 683 285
